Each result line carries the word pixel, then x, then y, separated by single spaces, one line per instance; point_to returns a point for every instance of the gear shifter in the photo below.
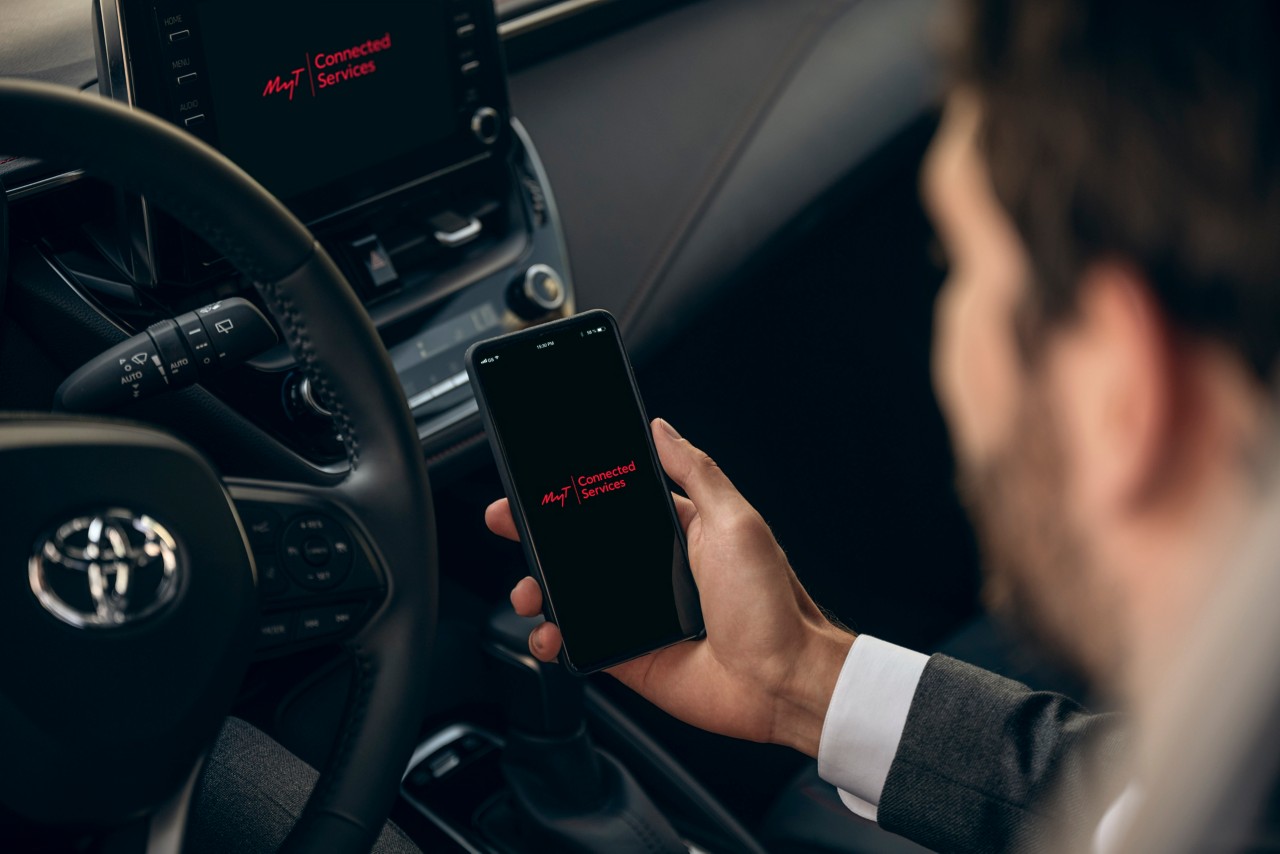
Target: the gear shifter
pixel 566 795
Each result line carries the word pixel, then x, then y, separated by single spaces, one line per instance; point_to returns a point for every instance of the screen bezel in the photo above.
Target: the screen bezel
pixel 149 91
pixel 484 349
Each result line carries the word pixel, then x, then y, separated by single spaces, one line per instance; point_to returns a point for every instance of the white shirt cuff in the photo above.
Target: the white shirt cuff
pixel 865 720
pixel 1117 820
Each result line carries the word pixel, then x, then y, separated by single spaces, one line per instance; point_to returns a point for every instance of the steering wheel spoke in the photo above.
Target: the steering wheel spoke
pixel 319 579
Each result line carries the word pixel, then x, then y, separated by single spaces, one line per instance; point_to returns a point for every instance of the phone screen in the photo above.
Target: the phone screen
pixel 566 422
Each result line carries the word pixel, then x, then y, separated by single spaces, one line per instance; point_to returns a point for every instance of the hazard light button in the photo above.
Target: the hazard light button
pixel 377 262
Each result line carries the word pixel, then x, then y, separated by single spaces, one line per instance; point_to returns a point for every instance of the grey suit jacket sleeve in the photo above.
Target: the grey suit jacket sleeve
pixel 979 754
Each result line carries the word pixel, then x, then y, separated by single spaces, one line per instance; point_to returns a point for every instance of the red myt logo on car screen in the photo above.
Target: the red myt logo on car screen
pixel 585 487
pixel 326 69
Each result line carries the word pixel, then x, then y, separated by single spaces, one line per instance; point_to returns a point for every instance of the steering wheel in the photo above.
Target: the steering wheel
pixel 104 716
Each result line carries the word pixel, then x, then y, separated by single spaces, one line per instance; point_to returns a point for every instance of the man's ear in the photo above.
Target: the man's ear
pixel 1117 374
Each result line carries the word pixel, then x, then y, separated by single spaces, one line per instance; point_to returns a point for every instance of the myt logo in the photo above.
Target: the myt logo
pixel 326 70
pixel 588 486
pixel 560 497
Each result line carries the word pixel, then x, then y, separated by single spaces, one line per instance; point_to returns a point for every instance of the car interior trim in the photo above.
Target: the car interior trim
pixel 408 185
pixel 169 826
pixel 462 412
pixel 545 16
pixel 35 188
pixel 789 62
pixel 115 82
pixel 456 448
pixel 443 738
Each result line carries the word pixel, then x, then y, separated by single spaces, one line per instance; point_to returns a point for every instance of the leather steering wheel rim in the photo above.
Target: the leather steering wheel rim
pixel 385 485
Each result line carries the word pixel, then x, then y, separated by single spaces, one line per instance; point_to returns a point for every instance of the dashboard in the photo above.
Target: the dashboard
pixel 644 156
pixel 386 128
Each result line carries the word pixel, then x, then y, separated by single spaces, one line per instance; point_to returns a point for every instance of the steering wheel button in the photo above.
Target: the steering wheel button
pixel 271 578
pixel 275 630
pixel 315 579
pixel 316 551
pixel 261 523
pixel 310 623
pixel 327 621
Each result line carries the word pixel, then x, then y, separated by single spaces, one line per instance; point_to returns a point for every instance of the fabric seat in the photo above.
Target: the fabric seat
pixel 252 791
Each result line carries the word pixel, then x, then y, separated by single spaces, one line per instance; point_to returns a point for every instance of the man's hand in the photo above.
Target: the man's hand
pixel 770 661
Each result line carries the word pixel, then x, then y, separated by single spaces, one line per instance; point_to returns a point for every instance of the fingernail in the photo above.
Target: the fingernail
pixel 534 640
pixel 671 431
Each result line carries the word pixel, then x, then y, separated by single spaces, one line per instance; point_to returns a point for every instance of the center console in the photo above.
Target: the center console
pixel 385 127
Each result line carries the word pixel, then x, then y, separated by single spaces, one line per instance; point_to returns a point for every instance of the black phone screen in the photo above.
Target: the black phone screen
pixel 596 509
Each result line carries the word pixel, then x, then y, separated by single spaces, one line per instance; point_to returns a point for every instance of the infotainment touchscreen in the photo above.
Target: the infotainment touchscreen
pixel 330 104
pixel 309 93
pixel 335 106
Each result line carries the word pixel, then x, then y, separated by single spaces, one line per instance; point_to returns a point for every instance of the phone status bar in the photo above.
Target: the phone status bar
pixel 543 344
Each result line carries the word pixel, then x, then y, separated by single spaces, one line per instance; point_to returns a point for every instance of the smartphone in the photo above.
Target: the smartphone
pixel 590 500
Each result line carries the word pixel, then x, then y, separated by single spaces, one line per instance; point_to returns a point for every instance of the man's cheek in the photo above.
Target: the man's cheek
pixel 974 370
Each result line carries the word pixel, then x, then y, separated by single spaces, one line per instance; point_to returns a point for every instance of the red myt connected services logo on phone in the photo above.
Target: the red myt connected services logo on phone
pixel 326 69
pixel 585 487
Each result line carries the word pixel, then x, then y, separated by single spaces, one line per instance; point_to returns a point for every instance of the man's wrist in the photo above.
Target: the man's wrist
pixel 801 704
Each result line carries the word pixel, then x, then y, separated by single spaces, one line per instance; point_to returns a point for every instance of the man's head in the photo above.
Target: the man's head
pixel 1106 183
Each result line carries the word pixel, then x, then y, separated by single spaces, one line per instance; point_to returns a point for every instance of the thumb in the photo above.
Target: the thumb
pixel 695 472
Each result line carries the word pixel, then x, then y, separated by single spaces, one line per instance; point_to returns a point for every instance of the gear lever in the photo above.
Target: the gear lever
pixel 566 794
pixel 542 699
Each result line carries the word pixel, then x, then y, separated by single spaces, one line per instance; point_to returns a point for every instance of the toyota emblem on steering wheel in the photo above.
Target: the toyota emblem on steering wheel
pixel 105 570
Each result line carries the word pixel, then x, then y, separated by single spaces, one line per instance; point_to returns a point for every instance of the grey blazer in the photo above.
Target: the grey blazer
pixel 979 755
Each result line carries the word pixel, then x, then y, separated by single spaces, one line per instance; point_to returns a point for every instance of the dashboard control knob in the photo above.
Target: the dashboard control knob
pixel 538 293
pixel 306 395
pixel 486 124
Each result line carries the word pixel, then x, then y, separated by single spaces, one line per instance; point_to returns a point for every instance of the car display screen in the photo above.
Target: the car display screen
pixel 309 93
